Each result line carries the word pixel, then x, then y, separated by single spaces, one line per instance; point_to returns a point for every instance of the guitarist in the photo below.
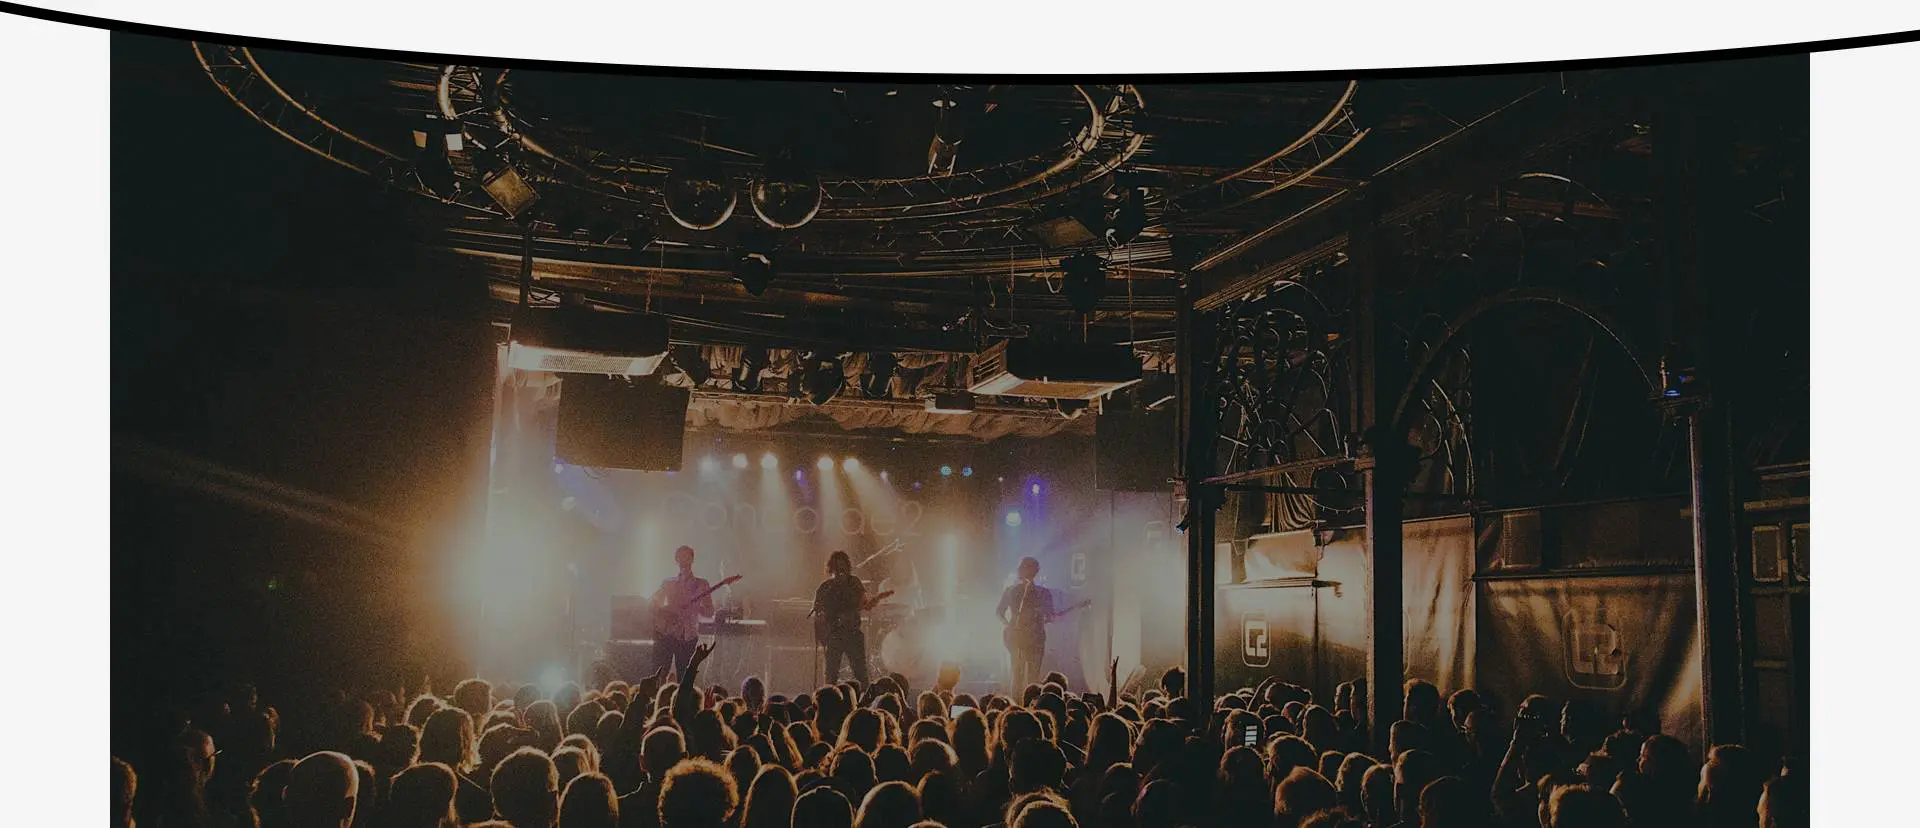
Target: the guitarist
pixel 1026 608
pixel 678 606
pixel 837 605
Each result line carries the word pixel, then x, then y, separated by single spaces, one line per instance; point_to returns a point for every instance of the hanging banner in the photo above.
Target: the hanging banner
pixel 1618 643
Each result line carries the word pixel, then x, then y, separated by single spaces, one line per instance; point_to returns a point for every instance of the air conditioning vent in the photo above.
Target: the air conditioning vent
pixel 1063 371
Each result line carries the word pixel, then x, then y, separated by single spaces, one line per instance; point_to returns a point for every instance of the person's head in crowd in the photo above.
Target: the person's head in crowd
pixel 447 738
pixel 1784 803
pixel 1319 729
pixel 1329 764
pixel 1664 761
pixel 321 791
pixel 1173 682
pixel 474 696
pixel 1730 785
pixel 1407 735
pixel 1422 702
pixel 888 805
pixel 125 783
pixel 852 772
pixel 1242 780
pixel 570 762
pixel 1286 753
pixel 1301 794
pixel 526 789
pixel 367 793
pixel 1599 770
pixel 1109 742
pixel 197 757
pixel 1036 765
pixel 1412 771
pixel 697 794
pixel 1040 809
pixel 1581 728
pixel 930 755
pixel 861 728
pixel 524 696
pixel 266 794
pixel 940 797
pixel 1332 818
pixel 422 797
pixel 769 799
pixel 743 765
pixel 1641 803
pixel 753 691
pixel 661 750
pixel 606 732
pixel 1481 730
pixel 1348 780
pixel 890 764
pixel 399 748
pixel 1159 805
pixel 1624 746
pixel 1449 802
pixel 1579 806
pixel 422 707
pixel 822 807
pixel 1462 704
pixel 583 717
pixel 1376 796
pixel 496 744
pixel 589 802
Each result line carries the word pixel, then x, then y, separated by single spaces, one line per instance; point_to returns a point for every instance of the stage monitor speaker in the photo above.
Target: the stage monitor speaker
pixel 629 660
pixel 1134 451
pixel 615 423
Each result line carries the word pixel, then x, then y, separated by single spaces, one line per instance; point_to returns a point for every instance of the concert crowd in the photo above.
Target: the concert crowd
pixel 665 752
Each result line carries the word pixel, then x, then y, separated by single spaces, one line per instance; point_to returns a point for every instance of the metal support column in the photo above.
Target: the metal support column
pixel 1199 420
pixel 1383 462
pixel 1694 155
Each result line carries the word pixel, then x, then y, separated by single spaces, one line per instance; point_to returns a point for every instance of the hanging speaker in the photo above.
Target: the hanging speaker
pixel 616 423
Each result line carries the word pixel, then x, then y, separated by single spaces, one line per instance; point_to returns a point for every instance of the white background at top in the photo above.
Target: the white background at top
pixel 1028 36
pixel 55 528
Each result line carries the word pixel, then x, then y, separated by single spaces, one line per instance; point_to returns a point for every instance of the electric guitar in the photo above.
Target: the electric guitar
pixel 1007 634
pixel 665 616
pixel 820 623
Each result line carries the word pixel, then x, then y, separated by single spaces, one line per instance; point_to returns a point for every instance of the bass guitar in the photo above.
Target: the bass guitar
pixel 820 630
pixel 1007 634
pixel 665 617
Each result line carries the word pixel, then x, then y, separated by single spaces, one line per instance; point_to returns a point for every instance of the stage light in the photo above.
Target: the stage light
pixel 966 471
pixel 884 477
pixel 693 364
pixel 754 271
pixel 510 190
pixel 825 464
pixel 739 461
pixel 709 463
pixel 768 461
pixel 821 376
pixel 1035 488
pixel 1085 281
pixel 552 680
pixel 746 375
pixel 1130 219
pixel 1013 517
pixel 878 379
pixel 946 471
pixel 850 464
pixel 700 194
pixel 799 476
